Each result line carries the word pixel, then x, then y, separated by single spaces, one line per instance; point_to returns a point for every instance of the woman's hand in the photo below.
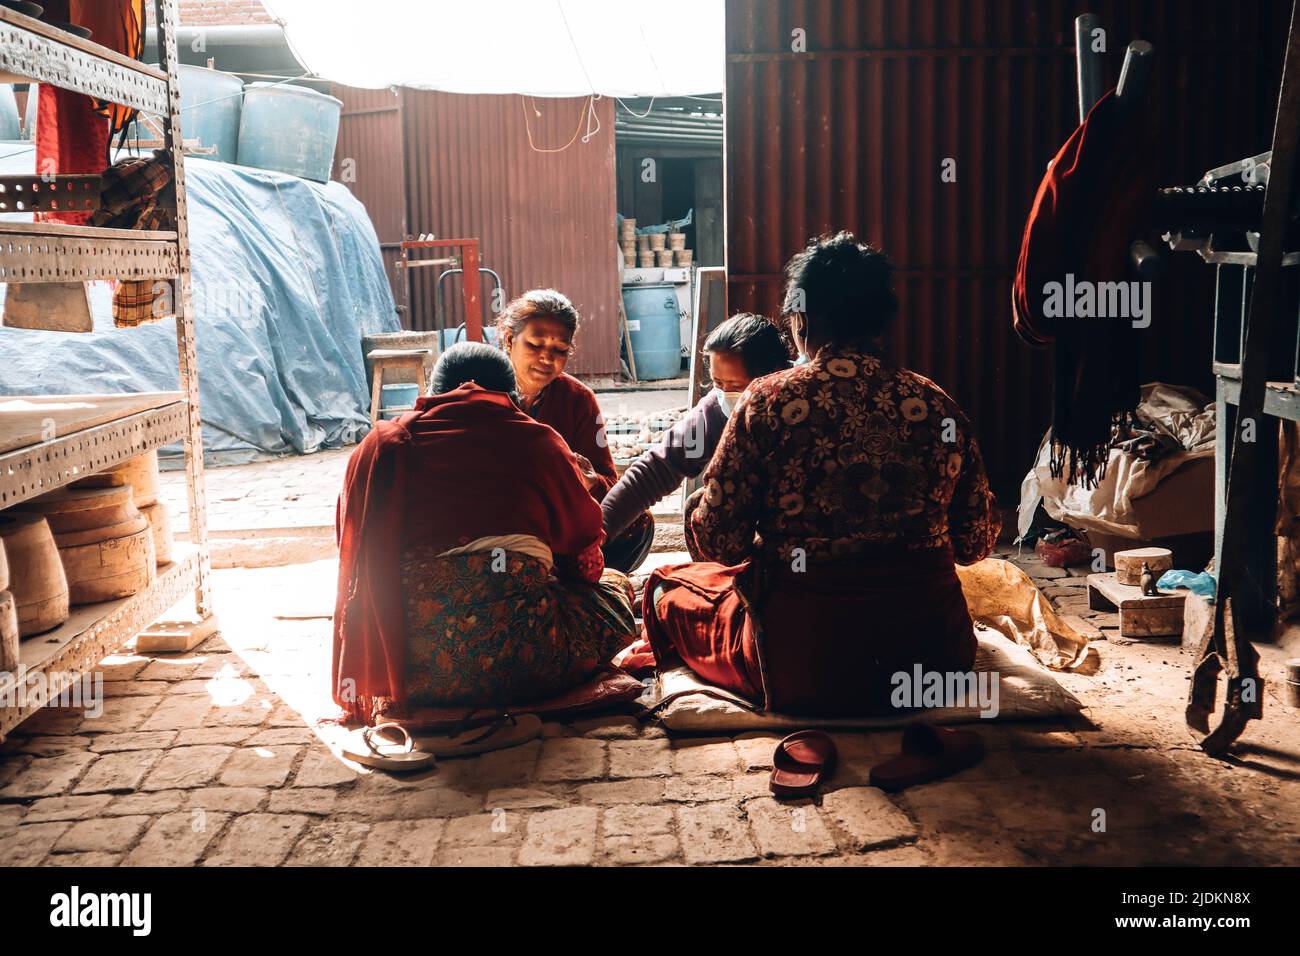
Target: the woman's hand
pixel 589 475
pixel 692 502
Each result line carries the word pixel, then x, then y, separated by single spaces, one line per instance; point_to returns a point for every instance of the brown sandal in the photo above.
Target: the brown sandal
pixel 929 753
pixel 802 762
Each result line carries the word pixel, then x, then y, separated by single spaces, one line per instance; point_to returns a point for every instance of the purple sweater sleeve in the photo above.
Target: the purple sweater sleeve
pixel 684 453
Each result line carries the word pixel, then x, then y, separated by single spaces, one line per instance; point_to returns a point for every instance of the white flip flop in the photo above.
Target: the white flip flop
pixel 505 730
pixel 367 747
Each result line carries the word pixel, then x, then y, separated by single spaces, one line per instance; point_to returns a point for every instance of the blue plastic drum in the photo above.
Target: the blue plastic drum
pixel 652 322
pixel 290 129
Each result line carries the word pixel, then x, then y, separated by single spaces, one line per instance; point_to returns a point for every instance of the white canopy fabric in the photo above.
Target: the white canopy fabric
pixel 533 47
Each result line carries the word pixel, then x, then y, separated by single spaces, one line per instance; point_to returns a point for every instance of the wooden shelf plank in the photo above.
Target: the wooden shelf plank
pixel 35 52
pixel 78 436
pixel 92 633
pixel 57 252
pixel 64 230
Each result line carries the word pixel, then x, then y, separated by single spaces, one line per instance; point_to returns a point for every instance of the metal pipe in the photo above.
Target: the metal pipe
pixel 659 136
pixel 247 35
pixel 1135 76
pixel 1087 63
pixel 685 122
pixel 667 131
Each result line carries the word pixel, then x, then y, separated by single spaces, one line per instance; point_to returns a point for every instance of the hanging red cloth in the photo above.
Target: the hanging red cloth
pixel 73 130
pixel 1090 206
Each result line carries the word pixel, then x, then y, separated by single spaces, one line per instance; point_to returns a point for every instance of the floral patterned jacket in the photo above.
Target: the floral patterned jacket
pixel 841 454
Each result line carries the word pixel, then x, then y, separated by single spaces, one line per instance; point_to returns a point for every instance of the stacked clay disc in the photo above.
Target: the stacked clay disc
pixel 37 585
pixel 8 620
pixel 105 544
pixel 141 473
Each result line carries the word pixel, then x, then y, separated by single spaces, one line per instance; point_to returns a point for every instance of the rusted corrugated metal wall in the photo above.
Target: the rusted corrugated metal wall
pixel 853 132
pixel 515 173
pixel 368 161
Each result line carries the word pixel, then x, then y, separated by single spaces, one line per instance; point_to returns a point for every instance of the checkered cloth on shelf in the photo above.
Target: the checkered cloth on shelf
pixel 132 197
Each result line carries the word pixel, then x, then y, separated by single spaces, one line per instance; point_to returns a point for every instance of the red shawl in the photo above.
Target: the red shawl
pixel 571 409
pixel 462 465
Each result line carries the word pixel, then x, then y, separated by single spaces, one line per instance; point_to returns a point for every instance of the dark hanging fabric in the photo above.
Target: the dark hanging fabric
pixel 118 25
pixel 1091 205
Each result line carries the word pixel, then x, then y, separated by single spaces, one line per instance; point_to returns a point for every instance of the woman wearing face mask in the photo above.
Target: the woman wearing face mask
pixel 536 330
pixel 738 351
pixel 840 498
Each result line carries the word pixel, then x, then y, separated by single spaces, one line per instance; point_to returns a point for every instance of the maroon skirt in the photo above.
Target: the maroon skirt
pixel 824 641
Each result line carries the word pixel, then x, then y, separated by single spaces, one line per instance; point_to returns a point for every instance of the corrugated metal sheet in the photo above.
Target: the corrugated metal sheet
pixel 369 161
pixel 852 134
pixel 515 173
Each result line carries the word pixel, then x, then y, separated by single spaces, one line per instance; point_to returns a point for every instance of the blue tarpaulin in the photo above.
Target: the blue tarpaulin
pixel 287 278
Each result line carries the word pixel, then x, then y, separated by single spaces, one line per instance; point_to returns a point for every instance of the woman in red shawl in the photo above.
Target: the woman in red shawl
pixel 470 570
pixel 840 496
pixel 537 332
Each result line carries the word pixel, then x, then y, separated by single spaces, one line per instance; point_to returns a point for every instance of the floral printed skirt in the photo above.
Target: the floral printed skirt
pixel 504 631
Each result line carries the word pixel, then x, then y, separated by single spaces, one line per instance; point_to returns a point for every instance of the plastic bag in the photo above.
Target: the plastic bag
pixel 1198 582
pixel 1065 551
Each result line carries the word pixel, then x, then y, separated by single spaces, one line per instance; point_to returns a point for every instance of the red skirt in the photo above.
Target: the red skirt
pixel 824 641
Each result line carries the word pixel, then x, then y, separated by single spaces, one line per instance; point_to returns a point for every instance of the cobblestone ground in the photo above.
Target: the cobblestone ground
pixel 216 757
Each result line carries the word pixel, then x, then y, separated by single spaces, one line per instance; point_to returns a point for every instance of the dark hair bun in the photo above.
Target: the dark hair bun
pixel 475 362
pixel 843 286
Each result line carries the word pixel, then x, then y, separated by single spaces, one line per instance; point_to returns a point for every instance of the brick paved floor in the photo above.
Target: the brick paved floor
pixel 215 757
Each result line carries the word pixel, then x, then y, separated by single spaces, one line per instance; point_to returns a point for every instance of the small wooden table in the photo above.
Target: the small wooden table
pixel 1140 615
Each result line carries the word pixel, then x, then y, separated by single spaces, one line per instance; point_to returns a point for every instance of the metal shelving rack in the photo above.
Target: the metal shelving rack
pixel 33 51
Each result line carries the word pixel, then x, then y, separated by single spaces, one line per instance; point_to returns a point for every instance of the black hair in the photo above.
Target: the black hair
pixel 761 346
pixel 843 288
pixel 475 362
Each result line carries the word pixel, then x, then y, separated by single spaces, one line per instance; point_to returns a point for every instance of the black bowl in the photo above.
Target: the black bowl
pixel 22 6
pixel 75 29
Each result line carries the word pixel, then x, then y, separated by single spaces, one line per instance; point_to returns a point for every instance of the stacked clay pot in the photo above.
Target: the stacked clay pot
pixel 105 544
pixel 141 473
pixel 36 582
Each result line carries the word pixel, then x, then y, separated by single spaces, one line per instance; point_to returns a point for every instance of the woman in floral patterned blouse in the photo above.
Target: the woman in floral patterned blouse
pixel 840 497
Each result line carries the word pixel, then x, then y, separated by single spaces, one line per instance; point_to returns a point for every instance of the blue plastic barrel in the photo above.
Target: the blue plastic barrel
pixel 654 330
pixel 211 104
pixel 290 129
pixel 9 126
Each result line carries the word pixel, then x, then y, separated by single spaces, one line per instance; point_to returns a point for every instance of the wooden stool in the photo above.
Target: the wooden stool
pixel 405 359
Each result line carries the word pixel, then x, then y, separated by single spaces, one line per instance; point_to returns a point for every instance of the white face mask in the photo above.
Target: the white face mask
pixel 727 400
